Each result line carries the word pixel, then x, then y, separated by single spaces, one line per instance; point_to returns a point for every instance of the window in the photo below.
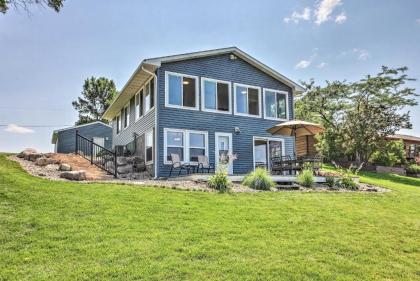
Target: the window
pixel 187 144
pixel 181 91
pixel 149 147
pixel 126 115
pixel 216 95
pixel 139 104
pixel 152 92
pixel 174 144
pixel 147 103
pixel 276 104
pixel 247 100
pixel 197 146
pixel 118 121
pixel 265 149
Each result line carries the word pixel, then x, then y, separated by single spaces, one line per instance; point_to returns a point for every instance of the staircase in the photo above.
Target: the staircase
pixel 98 155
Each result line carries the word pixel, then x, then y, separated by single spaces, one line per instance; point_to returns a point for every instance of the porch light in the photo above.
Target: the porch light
pixel 237 131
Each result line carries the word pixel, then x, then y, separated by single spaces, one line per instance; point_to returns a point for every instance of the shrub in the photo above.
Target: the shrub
pixel 259 179
pixel 413 169
pixel 391 154
pixel 306 178
pixel 330 181
pixel 347 183
pixel 219 180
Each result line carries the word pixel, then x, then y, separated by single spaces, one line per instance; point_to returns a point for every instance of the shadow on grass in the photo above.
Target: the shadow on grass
pixel 392 177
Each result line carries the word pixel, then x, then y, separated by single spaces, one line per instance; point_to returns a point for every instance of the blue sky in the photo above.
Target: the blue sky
pixel 46 56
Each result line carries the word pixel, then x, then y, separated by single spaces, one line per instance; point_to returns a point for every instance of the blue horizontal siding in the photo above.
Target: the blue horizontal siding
pixel 66 139
pixel 222 68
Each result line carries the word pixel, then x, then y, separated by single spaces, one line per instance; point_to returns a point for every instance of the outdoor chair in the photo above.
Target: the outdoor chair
pixel 176 164
pixel 203 163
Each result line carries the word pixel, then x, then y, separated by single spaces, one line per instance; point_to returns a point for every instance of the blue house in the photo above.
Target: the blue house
pixel 64 140
pixel 204 103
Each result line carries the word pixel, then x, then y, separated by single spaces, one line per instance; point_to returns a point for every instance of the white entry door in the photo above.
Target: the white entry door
pixel 223 143
pixel 99 141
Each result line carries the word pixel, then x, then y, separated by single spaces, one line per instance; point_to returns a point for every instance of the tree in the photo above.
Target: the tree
pixel 358 115
pixel 23 4
pixel 97 95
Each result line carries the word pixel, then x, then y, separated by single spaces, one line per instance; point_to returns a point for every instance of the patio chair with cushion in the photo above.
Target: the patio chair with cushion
pixel 176 164
pixel 203 163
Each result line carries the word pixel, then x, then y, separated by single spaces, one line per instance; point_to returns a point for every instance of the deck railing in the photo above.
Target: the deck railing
pixel 96 154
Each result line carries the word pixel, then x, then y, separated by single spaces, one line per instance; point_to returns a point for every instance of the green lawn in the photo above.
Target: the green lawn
pixel 67 231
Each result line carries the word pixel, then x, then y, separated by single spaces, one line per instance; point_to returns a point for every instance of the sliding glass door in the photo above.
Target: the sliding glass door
pixel 265 149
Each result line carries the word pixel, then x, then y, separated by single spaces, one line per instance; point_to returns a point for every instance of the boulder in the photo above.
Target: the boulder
pixel 45 161
pixel 49 155
pixel 74 175
pixel 121 161
pixel 33 156
pixel 65 167
pixel 26 151
pixel 124 169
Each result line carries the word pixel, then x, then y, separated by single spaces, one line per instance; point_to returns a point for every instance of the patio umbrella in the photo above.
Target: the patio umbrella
pixel 296 128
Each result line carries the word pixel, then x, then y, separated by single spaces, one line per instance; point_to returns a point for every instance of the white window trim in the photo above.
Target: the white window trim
pixel 119 123
pixel 186 146
pixel 197 98
pixel 145 147
pixel 287 104
pixel 129 113
pixel 143 103
pixel 137 109
pixel 283 147
pixel 259 100
pixel 203 105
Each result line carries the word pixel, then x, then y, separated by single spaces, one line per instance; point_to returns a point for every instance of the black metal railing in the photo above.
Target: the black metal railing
pixel 96 154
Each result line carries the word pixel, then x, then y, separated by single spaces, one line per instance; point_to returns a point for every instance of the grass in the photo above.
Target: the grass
pixel 66 231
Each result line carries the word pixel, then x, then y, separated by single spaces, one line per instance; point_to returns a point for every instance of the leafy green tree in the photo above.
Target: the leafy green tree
pixel 358 115
pixel 390 153
pixel 97 95
pixel 24 4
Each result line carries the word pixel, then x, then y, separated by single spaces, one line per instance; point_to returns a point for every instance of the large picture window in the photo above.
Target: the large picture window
pixel 149 147
pixel 216 95
pixel 247 100
pixel 276 104
pixel 187 144
pixel 181 91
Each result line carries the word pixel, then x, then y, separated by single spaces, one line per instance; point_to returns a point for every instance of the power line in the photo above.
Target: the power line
pixel 37 126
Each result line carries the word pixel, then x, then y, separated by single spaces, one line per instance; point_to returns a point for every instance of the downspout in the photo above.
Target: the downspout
pixel 156 105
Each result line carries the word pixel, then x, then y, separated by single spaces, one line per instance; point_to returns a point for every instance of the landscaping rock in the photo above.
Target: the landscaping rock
pixel 74 175
pixel 26 151
pixel 45 161
pixel 65 167
pixel 124 169
pixel 33 156
pixel 41 174
pixel 52 167
pixel 121 161
pixel 48 155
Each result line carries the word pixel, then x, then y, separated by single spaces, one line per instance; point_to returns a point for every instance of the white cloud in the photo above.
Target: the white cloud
pixel 341 18
pixel 322 65
pixel 13 128
pixel 361 54
pixel 325 9
pixel 296 16
pixel 303 64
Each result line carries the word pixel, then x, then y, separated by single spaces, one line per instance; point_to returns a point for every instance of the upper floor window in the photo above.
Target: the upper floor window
pixel 216 95
pixel 118 121
pixel 247 100
pixel 139 104
pixel 181 91
pixel 149 95
pixel 276 104
pixel 126 115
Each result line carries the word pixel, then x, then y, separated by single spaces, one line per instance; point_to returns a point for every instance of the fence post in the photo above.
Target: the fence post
pixel 76 149
pixel 115 165
pixel 91 152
